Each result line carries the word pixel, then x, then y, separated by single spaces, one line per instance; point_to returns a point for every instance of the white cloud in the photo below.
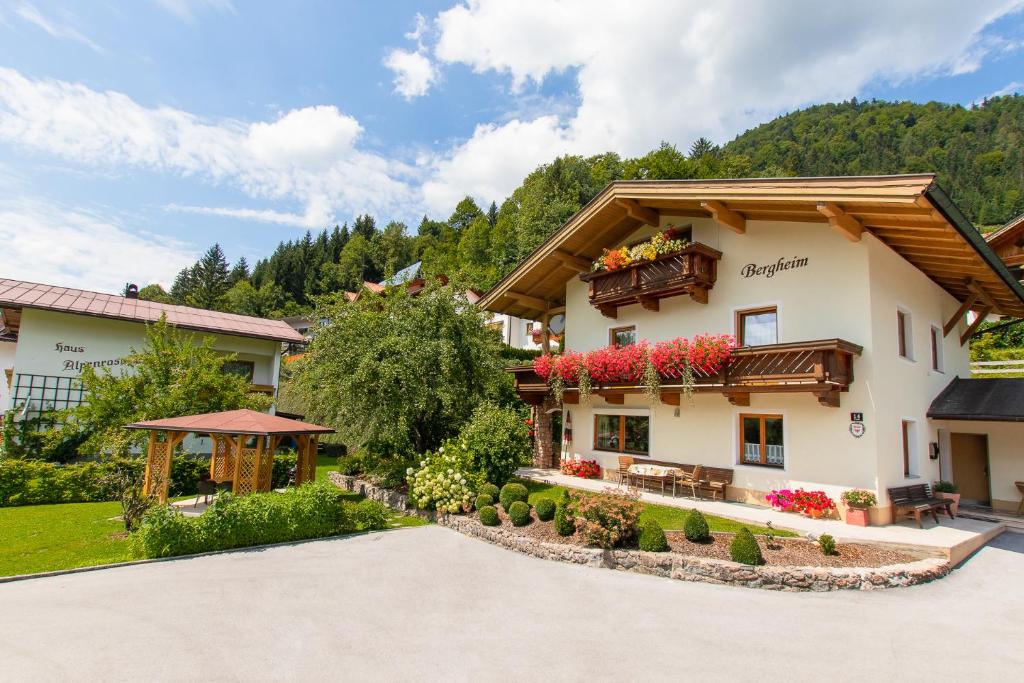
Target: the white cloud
pixel 649 71
pixel 414 72
pixel 61 31
pixel 75 247
pixel 1012 88
pixel 262 215
pixel 187 9
pixel 307 155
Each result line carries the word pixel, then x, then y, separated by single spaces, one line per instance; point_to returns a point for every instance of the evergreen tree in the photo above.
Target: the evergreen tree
pixel 209 279
pixel 239 272
pixel 492 214
pixel 366 226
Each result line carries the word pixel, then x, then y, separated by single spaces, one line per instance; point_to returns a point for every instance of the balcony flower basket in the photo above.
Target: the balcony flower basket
pixel 858 502
pixel 660 244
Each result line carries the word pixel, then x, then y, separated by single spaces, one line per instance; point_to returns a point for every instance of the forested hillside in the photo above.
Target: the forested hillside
pixel 975 151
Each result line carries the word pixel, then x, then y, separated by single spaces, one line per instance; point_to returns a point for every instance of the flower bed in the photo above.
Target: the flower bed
pixel 585 469
pixel 810 503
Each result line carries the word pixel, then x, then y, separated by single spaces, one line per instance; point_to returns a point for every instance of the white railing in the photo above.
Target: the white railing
pixel 752 454
pixel 997 367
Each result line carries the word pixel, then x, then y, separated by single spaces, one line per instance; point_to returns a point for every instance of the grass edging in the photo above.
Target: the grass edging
pixel 131 563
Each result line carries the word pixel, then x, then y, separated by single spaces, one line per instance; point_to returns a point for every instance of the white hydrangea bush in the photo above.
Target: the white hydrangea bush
pixel 443 481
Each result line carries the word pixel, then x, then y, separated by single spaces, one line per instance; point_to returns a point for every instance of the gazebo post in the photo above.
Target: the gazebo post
pixel 158 463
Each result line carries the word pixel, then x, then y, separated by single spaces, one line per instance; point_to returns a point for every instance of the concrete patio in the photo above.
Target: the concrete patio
pixel 956 538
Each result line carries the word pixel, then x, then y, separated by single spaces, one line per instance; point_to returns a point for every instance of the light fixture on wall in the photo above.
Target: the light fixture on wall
pixel 933 450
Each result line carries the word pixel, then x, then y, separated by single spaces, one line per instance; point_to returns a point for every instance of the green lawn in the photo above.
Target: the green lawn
pixel 325 464
pixel 41 538
pixel 667 517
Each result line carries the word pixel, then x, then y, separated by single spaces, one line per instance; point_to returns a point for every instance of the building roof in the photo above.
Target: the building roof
pixel 909 213
pixel 16 295
pixel 404 275
pixel 996 400
pixel 1006 233
pixel 232 422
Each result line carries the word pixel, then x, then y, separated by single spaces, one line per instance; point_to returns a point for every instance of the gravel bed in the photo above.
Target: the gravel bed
pixel 786 552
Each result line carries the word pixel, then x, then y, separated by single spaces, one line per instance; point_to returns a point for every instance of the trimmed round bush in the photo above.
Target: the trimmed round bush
pixel 483 500
pixel 827 545
pixel 744 548
pixel 510 493
pixel 564 526
pixel 489 516
pixel 695 527
pixel 545 508
pixel 652 538
pixel 491 490
pixel 519 513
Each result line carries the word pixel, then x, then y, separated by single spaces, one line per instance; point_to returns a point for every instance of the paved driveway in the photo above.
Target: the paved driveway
pixel 428 603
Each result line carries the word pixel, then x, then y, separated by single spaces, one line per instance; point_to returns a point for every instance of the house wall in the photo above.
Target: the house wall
pixel 848 290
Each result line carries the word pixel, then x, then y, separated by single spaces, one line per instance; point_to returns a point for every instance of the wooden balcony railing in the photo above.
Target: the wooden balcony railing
pixel 823 368
pixel 692 271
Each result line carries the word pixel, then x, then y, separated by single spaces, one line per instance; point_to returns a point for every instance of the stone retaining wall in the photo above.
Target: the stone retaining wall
pixel 671 565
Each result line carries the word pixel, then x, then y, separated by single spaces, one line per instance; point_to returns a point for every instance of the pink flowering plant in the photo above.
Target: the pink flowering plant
pixel 781 499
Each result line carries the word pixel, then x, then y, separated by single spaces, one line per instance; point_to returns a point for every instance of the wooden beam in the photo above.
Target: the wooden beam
pixel 828 398
pixel 528 300
pixel 975 288
pixel 738 398
pixel 577 263
pixel 614 399
pixel 842 222
pixel 571 397
pixel 638 212
pixel 726 217
pixel 974 326
pixel 958 316
pixel 669 399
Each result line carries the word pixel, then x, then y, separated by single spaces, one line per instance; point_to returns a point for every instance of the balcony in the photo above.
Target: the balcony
pixel 822 368
pixel 692 272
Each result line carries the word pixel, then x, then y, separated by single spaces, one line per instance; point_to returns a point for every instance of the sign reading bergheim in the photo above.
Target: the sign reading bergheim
pixel 770 269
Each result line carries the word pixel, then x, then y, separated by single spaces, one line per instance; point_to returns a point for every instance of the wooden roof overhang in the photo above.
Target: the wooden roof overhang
pixel 908 213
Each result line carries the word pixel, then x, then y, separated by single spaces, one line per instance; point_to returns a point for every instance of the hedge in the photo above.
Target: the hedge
pixel 312 511
pixel 37 482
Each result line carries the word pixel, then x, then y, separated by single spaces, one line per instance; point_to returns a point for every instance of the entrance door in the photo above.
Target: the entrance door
pixel 969 454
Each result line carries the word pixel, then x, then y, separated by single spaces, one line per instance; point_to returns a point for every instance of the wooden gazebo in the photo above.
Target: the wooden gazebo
pixel 244 442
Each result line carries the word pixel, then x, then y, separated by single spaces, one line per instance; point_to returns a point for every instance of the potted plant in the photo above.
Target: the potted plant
pixel 858 501
pixel 947 489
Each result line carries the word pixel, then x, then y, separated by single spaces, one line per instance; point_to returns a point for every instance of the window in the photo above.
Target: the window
pixel 243 368
pixel 909 434
pixel 622 336
pixel 757 327
pixel 761 440
pixel 622 433
pixel 936 340
pixel 904 336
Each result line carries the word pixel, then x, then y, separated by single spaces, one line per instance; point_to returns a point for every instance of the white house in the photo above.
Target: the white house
pixel 849 300
pixel 55 331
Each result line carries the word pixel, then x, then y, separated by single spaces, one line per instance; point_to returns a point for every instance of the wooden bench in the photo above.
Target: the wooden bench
pixel 715 480
pixel 917 499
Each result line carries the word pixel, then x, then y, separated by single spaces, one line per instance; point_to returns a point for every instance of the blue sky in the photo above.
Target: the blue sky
pixel 135 134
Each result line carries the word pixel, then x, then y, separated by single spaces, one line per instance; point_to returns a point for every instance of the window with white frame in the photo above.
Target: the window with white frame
pixel 935 337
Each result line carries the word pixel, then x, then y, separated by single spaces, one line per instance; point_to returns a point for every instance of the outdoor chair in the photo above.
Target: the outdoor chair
pixel 205 488
pixel 691 479
pixel 624 462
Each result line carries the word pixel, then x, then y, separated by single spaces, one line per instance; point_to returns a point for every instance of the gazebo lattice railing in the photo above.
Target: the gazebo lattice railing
pixel 244 445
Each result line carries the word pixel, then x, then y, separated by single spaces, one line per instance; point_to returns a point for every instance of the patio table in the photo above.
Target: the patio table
pixel 655 472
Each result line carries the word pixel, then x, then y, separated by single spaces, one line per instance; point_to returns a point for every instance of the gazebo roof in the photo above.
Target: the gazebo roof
pixel 232 422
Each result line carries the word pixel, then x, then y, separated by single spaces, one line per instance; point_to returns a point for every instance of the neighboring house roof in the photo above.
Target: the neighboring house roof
pixel 404 275
pixel 233 422
pixel 1007 233
pixel 909 213
pixel 16 295
pixel 996 400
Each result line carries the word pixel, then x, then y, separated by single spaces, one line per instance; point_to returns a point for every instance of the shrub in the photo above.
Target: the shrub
pixel 827 545
pixel 695 527
pixel 519 513
pixel 491 490
pixel 564 526
pixel 442 482
pixel 510 493
pixel 285 462
pixel 858 498
pixel 498 440
pixel 231 521
pixel 652 538
pixel 369 515
pixel 545 508
pixel 351 465
pixel 744 548
pixel 483 500
pixel 606 520
pixel 941 486
pixel 489 516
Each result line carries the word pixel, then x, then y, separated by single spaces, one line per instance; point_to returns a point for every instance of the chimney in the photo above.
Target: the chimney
pixel 132 292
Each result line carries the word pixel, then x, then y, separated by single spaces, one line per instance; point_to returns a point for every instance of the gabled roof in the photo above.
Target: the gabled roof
pixel 17 294
pixel 909 213
pixel 996 400
pixel 1007 234
pixel 232 422
pixel 404 275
